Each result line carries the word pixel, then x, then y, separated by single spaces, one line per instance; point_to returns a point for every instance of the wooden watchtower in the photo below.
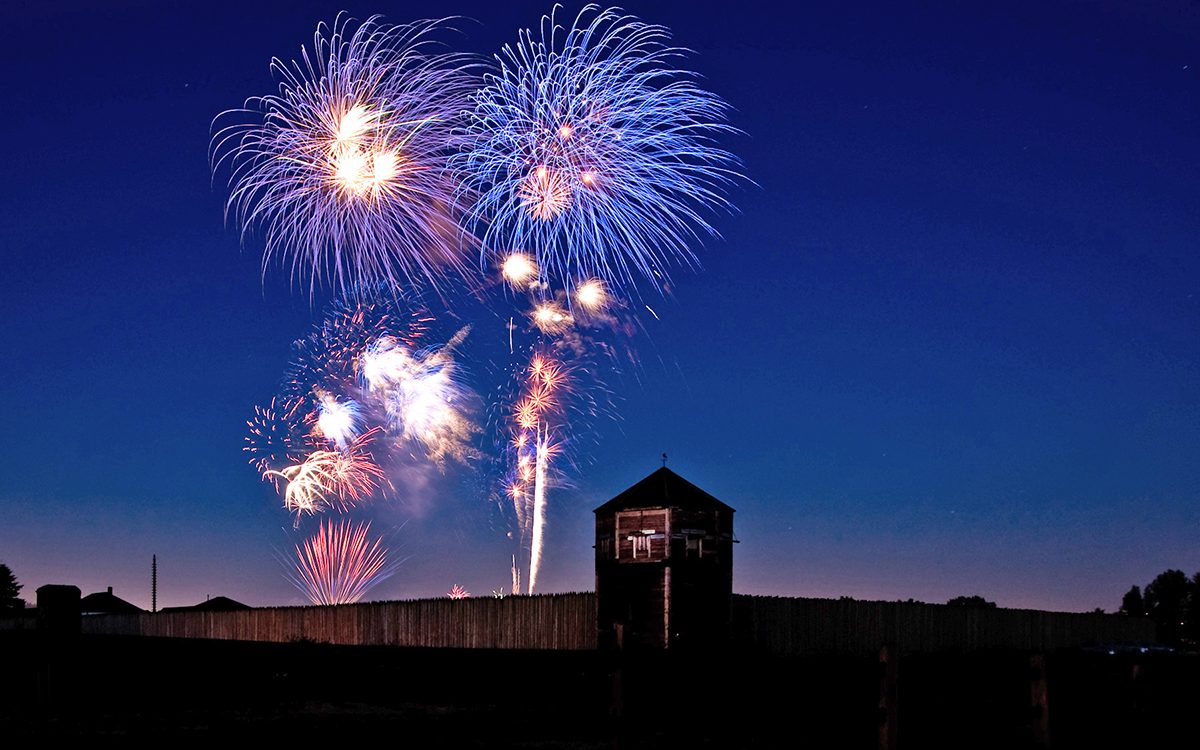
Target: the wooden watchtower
pixel 664 566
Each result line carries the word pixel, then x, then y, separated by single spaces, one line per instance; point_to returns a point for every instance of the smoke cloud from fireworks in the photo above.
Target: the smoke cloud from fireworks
pixel 364 400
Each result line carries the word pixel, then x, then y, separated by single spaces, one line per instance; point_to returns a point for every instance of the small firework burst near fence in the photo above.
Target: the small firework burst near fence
pixel 340 563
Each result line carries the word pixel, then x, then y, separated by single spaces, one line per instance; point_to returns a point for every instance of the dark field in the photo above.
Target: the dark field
pixel 120 688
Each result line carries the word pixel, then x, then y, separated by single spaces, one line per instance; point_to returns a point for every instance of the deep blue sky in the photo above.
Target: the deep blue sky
pixel 949 345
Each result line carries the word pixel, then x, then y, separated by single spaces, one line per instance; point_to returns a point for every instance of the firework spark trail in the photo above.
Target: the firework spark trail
pixel 340 563
pixel 588 146
pixel 344 169
pixel 537 414
pixel 539 511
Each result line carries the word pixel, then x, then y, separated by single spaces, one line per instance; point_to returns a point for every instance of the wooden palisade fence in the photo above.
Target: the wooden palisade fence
pixel 775 626
pixel 552 622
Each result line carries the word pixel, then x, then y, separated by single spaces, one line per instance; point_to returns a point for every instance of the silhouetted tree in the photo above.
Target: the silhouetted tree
pixel 971 601
pixel 10 601
pixel 1191 616
pixel 1167 604
pixel 1172 600
pixel 1132 603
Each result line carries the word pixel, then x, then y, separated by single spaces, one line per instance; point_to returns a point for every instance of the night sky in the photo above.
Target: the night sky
pixel 948 346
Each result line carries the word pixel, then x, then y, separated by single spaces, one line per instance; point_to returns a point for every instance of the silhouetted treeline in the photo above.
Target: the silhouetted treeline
pixel 971 601
pixel 1172 600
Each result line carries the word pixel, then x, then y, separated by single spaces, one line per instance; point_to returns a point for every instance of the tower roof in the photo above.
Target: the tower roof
pixel 663 489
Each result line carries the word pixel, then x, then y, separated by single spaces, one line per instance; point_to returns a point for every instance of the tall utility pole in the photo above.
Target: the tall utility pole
pixel 154 583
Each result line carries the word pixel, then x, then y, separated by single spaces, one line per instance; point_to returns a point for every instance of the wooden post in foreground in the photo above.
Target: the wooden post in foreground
pixel 616 706
pixel 1039 713
pixel 888 696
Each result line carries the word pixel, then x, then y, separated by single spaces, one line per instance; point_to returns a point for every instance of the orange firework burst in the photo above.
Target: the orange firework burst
pixel 545 377
pixel 548 371
pixel 526 414
pixel 541 398
pixel 545 193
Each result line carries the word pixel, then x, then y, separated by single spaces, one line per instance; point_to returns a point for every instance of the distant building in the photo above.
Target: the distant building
pixel 664 565
pixel 214 604
pixel 106 603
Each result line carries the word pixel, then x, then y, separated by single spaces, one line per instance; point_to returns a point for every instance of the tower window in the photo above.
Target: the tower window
pixel 641 544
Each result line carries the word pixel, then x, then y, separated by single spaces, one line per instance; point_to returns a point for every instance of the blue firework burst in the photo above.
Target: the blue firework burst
pixel 343 171
pixel 589 147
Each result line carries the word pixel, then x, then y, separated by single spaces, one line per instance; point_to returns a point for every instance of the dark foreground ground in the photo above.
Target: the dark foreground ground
pixel 130 689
